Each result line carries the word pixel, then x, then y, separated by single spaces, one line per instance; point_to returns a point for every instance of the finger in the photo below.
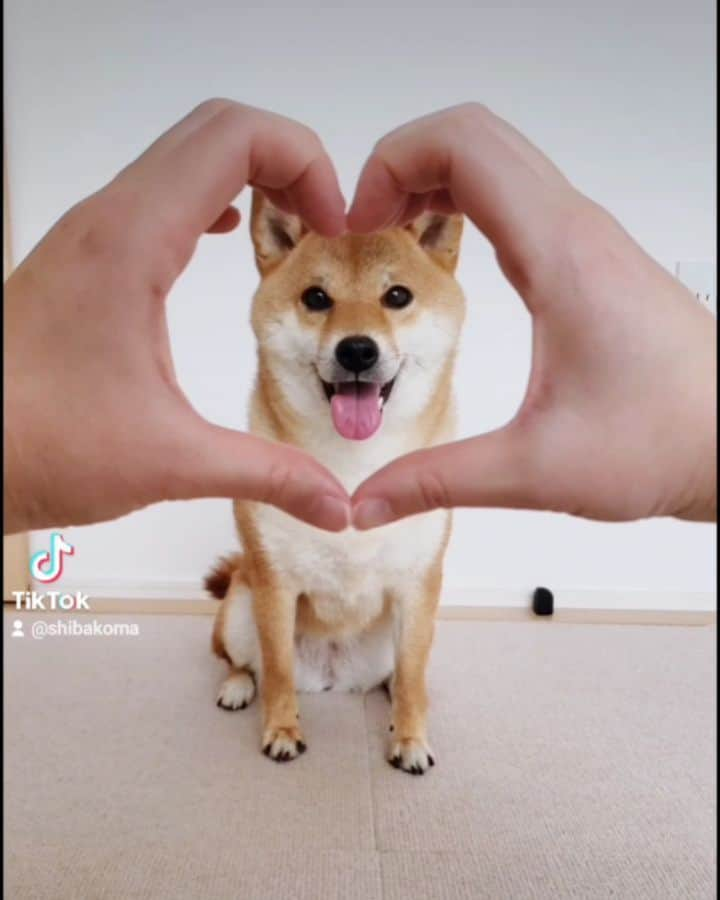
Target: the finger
pixel 484 167
pixel 281 200
pixel 442 202
pixel 493 470
pixel 177 133
pixel 421 152
pixel 227 221
pixel 246 146
pixel 220 462
pixel 200 176
pixel 415 205
pixel 315 196
pixel 379 199
pixel 532 155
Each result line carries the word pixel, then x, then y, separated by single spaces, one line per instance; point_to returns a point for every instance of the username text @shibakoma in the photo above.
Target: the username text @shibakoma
pixel 57 601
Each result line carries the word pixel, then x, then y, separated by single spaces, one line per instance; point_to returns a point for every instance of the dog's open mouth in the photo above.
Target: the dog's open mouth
pixel 356 406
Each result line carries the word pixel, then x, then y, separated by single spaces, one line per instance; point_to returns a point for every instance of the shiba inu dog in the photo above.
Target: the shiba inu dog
pixel 357 338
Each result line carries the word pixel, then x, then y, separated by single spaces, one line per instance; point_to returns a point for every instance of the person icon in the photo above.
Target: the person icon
pixel 17 629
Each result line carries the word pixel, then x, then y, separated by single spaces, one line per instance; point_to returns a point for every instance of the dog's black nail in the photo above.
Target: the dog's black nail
pixel 243 705
pixel 301 746
pixel 266 749
pixel 431 760
pixel 395 762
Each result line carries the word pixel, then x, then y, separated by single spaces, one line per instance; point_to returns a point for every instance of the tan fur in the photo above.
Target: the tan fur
pixel 355 270
pixel 409 692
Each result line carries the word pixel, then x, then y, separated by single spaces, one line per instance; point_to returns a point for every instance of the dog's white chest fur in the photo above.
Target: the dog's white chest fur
pixel 353 581
pixel 348 576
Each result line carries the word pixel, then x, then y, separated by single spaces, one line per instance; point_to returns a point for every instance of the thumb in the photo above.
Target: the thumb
pixel 220 462
pixel 491 470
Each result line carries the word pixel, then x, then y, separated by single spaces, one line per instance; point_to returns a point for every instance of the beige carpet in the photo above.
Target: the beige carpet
pixel 572 762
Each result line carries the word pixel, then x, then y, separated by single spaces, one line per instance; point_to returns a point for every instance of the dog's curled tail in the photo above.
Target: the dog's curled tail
pixel 217 580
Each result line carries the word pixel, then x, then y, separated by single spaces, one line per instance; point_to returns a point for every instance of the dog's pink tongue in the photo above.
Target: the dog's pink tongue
pixel 355 408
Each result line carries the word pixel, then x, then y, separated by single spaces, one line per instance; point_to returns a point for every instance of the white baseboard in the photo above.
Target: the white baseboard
pixel 616 599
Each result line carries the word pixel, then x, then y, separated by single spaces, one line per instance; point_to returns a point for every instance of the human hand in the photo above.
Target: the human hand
pixel 619 418
pixel 96 424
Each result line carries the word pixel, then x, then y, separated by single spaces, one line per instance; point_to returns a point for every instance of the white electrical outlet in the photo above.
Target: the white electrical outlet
pixel 699 275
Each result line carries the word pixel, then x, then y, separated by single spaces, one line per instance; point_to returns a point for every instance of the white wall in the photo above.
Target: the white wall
pixel 621 97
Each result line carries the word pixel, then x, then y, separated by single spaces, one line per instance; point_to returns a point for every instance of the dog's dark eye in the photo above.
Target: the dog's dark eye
pixel 397 297
pixel 316 299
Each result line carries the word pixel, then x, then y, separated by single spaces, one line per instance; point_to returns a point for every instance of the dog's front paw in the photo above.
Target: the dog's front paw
pixel 412 755
pixel 237 691
pixel 283 744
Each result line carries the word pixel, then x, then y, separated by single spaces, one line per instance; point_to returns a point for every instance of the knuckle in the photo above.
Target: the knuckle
pixel 214 105
pixel 230 114
pixel 472 108
pixel 310 135
pixel 583 223
pixel 277 486
pixel 584 239
pixel 304 138
pixel 522 265
pixel 578 247
pixel 233 116
pixel 432 491
pixel 92 227
pixel 465 120
pixel 179 240
pixel 384 144
pixel 171 254
pixel 108 226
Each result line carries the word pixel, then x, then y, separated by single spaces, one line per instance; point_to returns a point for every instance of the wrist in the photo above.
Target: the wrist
pixel 702 503
pixel 16 515
pixel 24 465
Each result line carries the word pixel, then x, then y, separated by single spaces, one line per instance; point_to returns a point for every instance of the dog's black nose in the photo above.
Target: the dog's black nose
pixel 357 353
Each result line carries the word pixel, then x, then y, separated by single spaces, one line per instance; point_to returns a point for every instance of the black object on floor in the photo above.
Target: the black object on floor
pixel 543 602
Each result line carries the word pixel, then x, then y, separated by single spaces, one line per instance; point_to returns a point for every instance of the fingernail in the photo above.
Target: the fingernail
pixel 331 513
pixel 371 513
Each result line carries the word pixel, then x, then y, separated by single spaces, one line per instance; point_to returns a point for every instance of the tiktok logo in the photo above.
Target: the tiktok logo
pixel 47 565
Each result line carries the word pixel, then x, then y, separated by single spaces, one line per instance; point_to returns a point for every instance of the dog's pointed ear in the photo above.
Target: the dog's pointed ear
pixel 274 233
pixel 439 236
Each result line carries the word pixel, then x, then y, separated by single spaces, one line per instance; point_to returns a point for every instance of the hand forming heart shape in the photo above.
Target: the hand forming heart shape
pixel 618 421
